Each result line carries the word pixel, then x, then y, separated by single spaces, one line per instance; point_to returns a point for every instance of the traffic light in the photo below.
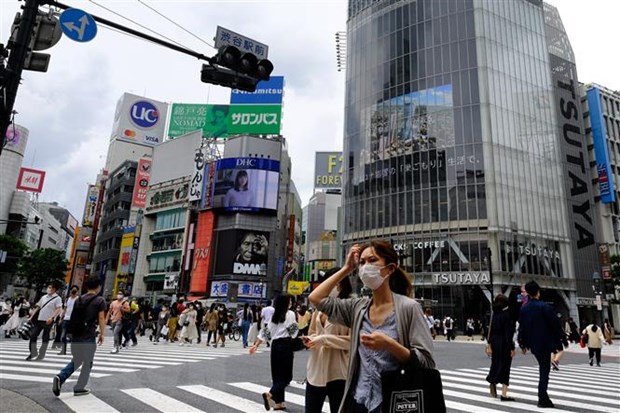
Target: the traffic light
pixel 236 69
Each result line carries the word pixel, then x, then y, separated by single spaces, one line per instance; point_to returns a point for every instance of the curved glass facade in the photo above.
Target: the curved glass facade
pixel 451 149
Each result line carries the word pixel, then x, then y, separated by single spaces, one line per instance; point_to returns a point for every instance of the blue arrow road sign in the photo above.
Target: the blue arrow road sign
pixel 78 25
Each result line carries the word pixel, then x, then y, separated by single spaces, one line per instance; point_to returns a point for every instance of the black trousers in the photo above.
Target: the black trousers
pixel 595 352
pixel 315 396
pixel 34 335
pixel 544 366
pixel 281 367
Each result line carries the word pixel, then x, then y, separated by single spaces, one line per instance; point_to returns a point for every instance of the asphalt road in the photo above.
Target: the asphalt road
pixel 200 378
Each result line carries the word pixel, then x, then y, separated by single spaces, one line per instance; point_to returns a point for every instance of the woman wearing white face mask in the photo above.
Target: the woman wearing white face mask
pixel 387 330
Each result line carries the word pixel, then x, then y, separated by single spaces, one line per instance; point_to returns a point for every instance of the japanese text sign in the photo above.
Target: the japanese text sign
pixel 225 37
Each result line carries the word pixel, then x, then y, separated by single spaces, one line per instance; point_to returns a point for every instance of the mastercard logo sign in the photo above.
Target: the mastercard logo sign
pixel 129 133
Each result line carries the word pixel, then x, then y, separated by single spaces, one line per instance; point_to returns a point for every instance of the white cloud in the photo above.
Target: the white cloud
pixel 69 110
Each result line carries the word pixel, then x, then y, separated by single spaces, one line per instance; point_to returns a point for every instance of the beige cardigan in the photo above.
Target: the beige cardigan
pixel 329 359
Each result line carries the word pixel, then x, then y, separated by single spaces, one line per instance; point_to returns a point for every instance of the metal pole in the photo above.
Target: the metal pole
pixel 15 66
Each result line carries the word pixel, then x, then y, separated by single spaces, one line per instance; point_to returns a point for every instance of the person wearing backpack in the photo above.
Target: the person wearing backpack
pixel 88 313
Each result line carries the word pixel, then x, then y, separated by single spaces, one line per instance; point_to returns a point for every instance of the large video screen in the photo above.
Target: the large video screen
pixel 242 252
pixel 246 184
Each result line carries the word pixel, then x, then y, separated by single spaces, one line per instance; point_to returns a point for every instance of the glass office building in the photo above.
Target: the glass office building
pixel 453 148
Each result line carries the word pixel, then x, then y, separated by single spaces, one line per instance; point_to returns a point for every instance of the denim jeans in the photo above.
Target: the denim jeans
pixel 83 352
pixel 245 328
pixel 116 329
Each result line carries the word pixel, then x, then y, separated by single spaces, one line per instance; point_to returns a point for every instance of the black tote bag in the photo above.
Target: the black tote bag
pixel 412 389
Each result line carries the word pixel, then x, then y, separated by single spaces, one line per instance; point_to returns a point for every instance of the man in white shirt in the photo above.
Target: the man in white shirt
pixel 66 316
pixel 266 314
pixel 49 306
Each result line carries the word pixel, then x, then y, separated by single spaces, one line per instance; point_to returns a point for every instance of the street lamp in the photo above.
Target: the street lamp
pixel 596 288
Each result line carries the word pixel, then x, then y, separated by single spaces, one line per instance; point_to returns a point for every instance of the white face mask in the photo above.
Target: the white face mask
pixel 370 274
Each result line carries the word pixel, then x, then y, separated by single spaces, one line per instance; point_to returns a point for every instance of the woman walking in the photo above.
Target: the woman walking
pixel 608 331
pixel 503 347
pixel 161 322
pixel 387 329
pixel 247 318
pixel 21 308
pixel 211 320
pixel 222 326
pixel 281 331
pixel 329 356
pixel 189 332
pixel 595 343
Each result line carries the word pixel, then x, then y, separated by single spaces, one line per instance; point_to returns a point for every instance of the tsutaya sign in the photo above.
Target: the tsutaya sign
pixel 462 278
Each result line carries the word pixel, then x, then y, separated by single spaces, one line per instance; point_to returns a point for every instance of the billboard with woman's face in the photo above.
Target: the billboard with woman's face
pixel 245 185
pixel 242 252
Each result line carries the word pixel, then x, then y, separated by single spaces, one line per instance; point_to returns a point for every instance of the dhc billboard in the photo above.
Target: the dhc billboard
pixel 267 92
pixel 605 176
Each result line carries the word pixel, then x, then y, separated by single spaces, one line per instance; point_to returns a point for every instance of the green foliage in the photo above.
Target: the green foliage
pixel 42 266
pixel 15 249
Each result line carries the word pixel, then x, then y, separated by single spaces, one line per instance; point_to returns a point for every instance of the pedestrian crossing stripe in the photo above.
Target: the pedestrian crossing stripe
pixel 142 357
pixel 462 393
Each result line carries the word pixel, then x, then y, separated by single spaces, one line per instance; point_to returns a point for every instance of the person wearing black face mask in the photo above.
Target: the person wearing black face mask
pixel 66 316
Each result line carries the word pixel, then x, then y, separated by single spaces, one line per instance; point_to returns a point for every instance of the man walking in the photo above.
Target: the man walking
pixel 66 316
pixel 89 311
pixel 48 307
pixel 115 315
pixel 540 331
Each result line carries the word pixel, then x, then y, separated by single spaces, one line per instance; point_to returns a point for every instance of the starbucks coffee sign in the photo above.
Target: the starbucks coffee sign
pixel 462 278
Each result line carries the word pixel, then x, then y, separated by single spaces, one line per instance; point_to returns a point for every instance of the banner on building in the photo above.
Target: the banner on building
pixel 167 195
pixel 221 121
pixel 140 120
pixel 30 180
pixel 124 260
pixel 90 207
pixel 196 184
pixel 267 92
pixel 222 289
pixel 203 252
pixel 141 185
pixel 242 252
pixel 606 185
pixel 290 244
pixel 328 169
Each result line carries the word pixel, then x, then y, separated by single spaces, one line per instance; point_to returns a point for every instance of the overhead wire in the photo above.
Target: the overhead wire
pixel 173 22
pixel 140 25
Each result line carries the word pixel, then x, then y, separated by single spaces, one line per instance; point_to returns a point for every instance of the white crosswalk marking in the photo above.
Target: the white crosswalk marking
pixel 88 403
pixel 160 401
pixel 290 397
pixel 594 393
pixel 224 398
pixel 465 390
pixel 144 356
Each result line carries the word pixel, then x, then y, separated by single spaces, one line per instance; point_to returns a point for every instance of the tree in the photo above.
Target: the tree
pixel 43 266
pixel 15 249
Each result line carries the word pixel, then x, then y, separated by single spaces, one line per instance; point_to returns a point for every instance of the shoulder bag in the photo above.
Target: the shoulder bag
pixel 412 389
pixel 25 330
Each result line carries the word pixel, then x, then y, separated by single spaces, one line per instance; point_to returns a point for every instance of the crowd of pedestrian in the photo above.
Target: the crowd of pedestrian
pixel 352 341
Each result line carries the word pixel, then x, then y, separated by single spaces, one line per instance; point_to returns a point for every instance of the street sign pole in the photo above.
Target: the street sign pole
pixel 15 66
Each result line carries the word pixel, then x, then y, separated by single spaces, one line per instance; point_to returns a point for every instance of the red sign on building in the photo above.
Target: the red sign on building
pixel 203 253
pixel 30 180
pixel 141 186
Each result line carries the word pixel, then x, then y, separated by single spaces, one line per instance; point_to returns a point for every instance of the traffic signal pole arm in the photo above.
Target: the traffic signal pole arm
pixel 133 32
